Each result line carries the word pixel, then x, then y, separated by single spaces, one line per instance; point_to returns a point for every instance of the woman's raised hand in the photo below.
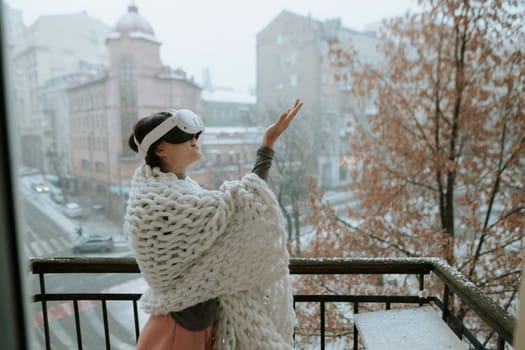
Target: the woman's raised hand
pixel 275 130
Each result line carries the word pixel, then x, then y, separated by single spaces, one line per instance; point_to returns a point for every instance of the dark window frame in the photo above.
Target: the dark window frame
pixel 13 317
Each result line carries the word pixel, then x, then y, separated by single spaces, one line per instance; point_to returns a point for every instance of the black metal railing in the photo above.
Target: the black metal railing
pixel 453 282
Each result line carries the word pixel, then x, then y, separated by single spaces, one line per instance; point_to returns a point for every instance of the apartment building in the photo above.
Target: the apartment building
pixel 40 56
pixel 292 62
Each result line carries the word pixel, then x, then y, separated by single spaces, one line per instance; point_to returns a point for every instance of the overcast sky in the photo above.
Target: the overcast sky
pixel 218 34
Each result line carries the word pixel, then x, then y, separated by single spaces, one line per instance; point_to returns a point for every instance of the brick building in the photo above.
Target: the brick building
pixel 103 110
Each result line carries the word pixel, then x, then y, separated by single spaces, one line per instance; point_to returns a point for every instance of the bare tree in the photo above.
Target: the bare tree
pixel 294 164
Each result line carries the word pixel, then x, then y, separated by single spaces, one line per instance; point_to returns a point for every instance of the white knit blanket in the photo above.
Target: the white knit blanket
pixel 193 245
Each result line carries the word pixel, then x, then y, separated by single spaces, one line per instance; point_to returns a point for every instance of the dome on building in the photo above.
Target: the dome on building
pixel 133 22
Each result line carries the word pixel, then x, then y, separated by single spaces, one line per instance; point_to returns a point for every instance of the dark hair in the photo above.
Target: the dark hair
pixel 141 129
pixel 145 125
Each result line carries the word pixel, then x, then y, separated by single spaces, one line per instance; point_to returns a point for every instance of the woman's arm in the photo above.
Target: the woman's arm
pixel 263 162
pixel 265 153
pixel 275 130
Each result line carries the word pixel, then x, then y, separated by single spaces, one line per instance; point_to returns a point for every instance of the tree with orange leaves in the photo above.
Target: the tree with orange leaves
pixel 439 168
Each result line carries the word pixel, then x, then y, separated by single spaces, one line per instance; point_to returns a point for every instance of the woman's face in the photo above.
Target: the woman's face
pixel 175 157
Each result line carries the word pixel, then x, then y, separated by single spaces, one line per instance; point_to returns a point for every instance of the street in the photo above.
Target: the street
pixel 49 233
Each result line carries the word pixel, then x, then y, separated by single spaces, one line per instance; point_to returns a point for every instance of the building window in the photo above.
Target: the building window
pixel 293 80
pixel 279 39
pixel 325 48
pixel 93 37
pixel 100 167
pixel 128 100
pixel 86 186
pixel 85 164
pixel 279 83
pixel 101 189
pixel 292 59
pixel 343 172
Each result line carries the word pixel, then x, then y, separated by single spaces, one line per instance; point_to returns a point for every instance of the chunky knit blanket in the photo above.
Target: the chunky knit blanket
pixel 194 245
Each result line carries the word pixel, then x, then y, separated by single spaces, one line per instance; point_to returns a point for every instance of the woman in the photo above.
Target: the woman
pixel 215 262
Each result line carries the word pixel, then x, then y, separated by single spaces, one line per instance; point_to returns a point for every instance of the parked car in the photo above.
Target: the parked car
pixel 98 207
pixel 73 210
pixel 40 187
pixel 93 244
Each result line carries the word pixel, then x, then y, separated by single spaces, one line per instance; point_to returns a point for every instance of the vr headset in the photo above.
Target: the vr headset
pixel 188 125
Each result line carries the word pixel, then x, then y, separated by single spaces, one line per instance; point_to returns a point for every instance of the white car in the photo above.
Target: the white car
pixel 73 210
pixel 40 187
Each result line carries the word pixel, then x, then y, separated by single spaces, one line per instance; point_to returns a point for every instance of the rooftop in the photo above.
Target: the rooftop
pixel 228 95
pixel 132 22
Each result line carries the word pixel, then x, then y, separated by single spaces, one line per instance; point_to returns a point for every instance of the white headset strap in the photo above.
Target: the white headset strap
pixel 155 134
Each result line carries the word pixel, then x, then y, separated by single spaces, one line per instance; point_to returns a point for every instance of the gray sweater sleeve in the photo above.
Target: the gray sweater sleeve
pixel 263 162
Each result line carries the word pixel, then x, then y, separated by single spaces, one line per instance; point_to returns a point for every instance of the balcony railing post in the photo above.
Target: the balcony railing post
pixel 446 295
pixel 77 324
pixel 356 332
pixel 421 287
pixel 106 324
pixel 322 306
pixel 44 310
pixel 501 343
pixel 136 317
pixel 293 335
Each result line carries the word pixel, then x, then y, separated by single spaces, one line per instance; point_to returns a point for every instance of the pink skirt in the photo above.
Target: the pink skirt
pixel 161 332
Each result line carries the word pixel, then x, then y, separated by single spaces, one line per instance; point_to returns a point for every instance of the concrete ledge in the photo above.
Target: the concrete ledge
pixel 418 328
